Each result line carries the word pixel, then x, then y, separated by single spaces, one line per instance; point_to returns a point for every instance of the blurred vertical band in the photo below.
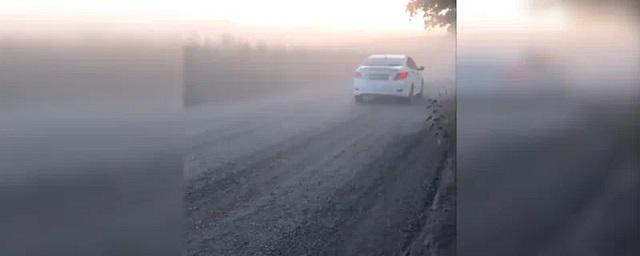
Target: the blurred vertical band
pixel 90 140
pixel 548 127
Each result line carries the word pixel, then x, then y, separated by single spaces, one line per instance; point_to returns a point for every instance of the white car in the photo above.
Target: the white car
pixel 388 75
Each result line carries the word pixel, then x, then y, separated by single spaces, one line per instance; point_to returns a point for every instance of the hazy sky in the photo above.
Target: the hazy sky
pixel 350 17
pixel 342 14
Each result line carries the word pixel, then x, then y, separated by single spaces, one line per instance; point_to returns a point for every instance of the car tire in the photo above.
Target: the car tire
pixel 421 93
pixel 358 98
pixel 409 98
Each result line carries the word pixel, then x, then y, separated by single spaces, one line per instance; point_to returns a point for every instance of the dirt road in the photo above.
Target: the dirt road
pixel 311 173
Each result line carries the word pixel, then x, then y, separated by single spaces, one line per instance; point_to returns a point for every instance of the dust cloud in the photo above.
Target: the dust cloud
pixel 93 121
pixel 232 65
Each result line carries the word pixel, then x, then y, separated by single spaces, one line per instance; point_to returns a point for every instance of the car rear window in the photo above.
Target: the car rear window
pixel 383 61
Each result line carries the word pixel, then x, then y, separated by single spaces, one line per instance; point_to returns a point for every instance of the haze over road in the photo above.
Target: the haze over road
pixel 231 130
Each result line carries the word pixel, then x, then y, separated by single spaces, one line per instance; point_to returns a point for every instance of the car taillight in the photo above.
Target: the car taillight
pixel 402 75
pixel 357 75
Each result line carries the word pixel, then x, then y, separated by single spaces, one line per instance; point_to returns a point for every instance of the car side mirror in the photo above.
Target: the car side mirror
pixel 421 68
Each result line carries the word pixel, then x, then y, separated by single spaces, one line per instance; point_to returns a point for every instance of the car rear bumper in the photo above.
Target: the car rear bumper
pixel 386 88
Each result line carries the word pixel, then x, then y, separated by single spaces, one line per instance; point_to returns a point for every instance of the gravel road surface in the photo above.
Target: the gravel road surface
pixel 313 173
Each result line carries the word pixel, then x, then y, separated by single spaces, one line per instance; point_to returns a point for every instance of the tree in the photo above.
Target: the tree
pixel 436 13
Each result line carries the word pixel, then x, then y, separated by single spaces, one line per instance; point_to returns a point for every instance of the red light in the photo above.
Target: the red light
pixel 357 75
pixel 402 75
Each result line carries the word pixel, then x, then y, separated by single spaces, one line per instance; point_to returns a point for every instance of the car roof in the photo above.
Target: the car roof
pixel 388 56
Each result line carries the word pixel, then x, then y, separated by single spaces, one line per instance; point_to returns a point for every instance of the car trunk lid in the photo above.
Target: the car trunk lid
pixel 378 73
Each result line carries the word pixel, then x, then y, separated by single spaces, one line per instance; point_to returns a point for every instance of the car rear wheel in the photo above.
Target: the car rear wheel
pixel 409 98
pixel 421 93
